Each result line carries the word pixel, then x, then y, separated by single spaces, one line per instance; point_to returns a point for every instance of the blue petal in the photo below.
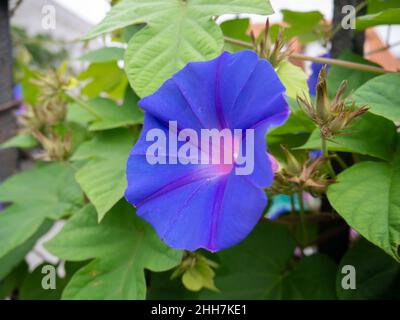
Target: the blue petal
pixel 209 214
pixel 251 92
pixel 145 179
pixel 234 90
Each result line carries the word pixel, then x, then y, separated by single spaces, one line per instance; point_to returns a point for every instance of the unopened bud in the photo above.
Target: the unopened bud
pixel 322 102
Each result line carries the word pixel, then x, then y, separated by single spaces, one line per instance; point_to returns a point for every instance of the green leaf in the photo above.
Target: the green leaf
pixel 102 177
pixel 122 246
pixel 294 79
pixel 370 135
pixel 14 257
pixel 49 191
pixel 104 77
pixel 129 31
pixel 292 141
pixel 262 267
pixel 154 54
pixel 23 141
pixel 129 12
pixel 104 54
pixel 386 17
pixel 76 113
pixel 381 96
pixel 236 29
pixel 376 273
pixel 355 78
pixel 307 26
pixel 375 6
pixel 110 115
pixel 367 197
pixel 177 32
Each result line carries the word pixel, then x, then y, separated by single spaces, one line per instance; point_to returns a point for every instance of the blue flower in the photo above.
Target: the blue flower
pixel 314 154
pixel 315 69
pixel 206 205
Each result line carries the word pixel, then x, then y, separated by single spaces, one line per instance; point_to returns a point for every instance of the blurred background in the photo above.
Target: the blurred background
pixel 76 17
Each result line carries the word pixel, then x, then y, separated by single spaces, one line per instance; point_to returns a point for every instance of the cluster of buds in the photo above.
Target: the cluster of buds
pixel 56 146
pixel 332 117
pixel 44 119
pixel 52 102
pixel 275 52
pixel 197 272
pixel 300 175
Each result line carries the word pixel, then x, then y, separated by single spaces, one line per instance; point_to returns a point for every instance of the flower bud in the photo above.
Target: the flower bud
pixel 322 102
pixel 334 117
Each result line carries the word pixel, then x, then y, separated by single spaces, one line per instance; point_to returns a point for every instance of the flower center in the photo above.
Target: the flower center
pixel 225 155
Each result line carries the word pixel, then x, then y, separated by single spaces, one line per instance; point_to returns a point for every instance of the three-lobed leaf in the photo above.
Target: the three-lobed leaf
pixel 122 246
pixel 177 32
pixel 49 191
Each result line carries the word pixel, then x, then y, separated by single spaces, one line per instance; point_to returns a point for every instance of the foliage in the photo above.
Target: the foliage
pixel 78 129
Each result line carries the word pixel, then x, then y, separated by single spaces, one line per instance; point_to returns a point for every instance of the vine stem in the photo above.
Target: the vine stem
pixel 292 205
pixel 330 61
pixel 340 161
pixel 326 156
pixel 302 217
pixel 341 63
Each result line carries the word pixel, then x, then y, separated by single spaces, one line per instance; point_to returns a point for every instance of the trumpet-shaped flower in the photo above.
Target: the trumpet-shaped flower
pixel 211 204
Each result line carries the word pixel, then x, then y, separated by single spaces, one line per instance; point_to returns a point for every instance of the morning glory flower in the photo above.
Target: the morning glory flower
pixel 210 204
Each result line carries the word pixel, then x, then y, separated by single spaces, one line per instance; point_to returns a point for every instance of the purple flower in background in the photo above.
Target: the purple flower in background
pixel 206 205
pixel 315 69
pixel 17 92
pixel 314 154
